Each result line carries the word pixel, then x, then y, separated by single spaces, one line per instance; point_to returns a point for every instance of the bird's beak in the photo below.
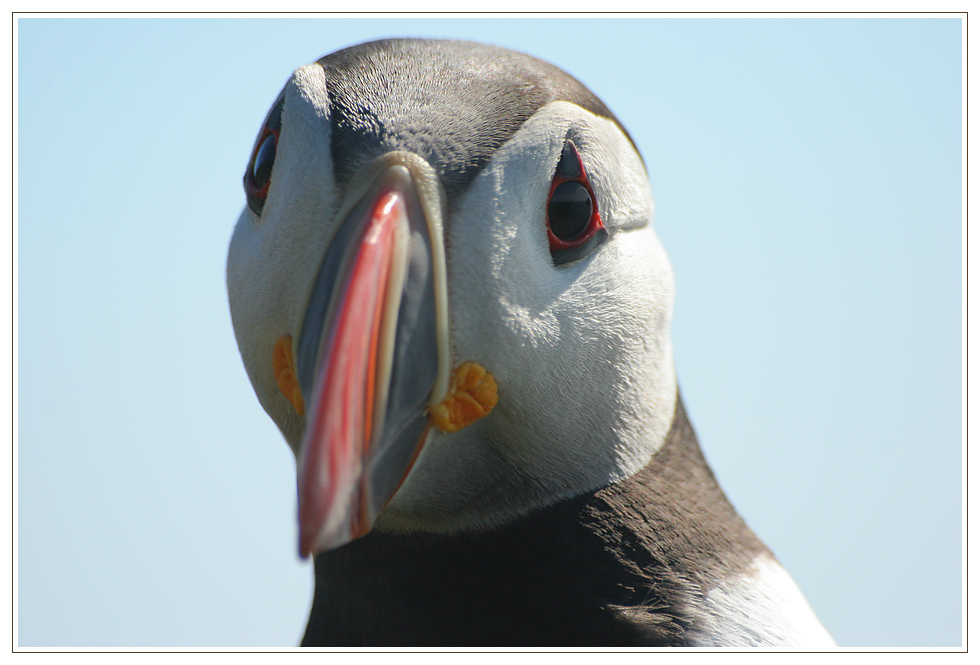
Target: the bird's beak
pixel 372 357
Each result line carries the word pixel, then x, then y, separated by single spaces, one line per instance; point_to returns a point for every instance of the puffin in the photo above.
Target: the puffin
pixel 448 295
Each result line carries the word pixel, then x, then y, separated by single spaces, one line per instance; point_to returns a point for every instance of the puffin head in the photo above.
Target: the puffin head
pixel 446 290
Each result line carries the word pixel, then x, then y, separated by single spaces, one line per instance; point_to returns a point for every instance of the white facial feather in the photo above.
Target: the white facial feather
pixel 581 352
pixel 273 260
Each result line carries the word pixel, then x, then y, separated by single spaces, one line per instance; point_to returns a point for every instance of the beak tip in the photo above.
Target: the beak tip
pixel 305 542
pixel 313 540
pixel 305 546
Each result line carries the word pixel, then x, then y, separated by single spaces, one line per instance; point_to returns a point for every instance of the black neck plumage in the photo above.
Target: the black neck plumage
pixel 624 565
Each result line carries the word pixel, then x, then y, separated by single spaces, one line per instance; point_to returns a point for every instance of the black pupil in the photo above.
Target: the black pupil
pixel 570 210
pixel 262 168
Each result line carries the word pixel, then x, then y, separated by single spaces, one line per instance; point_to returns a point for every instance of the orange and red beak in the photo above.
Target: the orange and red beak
pixel 372 358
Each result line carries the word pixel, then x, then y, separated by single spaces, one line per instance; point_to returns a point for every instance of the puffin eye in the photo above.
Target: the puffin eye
pixel 258 176
pixel 569 211
pixel 574 225
pixel 262 167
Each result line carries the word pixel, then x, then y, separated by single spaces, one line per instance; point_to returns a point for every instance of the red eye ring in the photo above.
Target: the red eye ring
pixel 574 224
pixel 251 187
pixel 258 175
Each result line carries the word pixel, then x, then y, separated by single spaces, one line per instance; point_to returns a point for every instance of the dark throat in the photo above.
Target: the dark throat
pixel 624 565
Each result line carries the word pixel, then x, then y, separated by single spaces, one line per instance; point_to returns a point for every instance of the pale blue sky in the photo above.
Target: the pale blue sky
pixel 807 176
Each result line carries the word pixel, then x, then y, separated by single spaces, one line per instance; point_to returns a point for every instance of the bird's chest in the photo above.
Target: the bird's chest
pixel 513 590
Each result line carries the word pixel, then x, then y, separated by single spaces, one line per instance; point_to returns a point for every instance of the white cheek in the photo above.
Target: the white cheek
pixel 581 352
pixel 586 379
pixel 272 260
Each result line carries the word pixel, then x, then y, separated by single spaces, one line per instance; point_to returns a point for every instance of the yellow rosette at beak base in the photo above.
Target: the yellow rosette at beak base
pixel 472 395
